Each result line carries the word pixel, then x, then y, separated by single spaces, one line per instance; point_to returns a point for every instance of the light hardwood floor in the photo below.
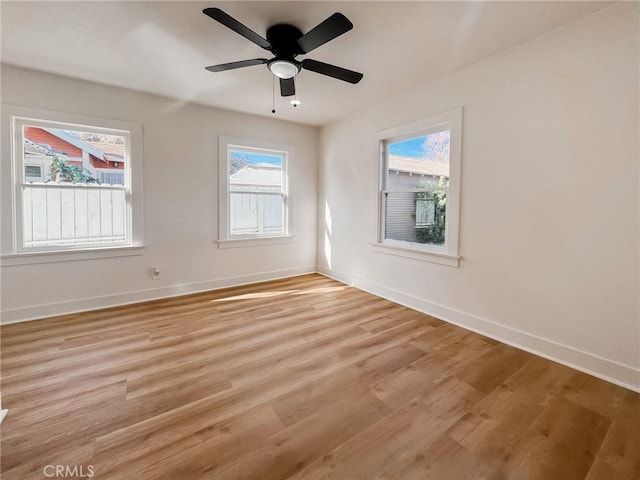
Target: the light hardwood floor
pixel 302 378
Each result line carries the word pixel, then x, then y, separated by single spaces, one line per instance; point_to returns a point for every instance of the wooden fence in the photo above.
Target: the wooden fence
pixel 73 214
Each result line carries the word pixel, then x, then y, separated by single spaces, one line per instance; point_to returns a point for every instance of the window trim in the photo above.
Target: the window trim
pixel 448 254
pixel 13 117
pixel 225 238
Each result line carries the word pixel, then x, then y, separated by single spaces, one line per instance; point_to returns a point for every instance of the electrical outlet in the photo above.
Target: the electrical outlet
pixel 155 273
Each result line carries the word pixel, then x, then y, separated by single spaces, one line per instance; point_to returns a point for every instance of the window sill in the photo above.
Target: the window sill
pixel 32 258
pixel 254 242
pixel 417 254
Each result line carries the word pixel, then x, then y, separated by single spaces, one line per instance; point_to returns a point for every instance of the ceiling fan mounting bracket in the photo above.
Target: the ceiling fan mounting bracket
pixel 284 41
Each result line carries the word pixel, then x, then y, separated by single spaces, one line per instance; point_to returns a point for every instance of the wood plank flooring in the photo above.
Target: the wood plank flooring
pixel 302 378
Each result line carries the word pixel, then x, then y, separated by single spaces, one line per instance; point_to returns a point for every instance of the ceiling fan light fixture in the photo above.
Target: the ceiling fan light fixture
pixel 283 69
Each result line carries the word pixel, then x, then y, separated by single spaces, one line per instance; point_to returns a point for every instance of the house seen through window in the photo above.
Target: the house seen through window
pixel 416 188
pixel 257 192
pixel 420 186
pixel 74 186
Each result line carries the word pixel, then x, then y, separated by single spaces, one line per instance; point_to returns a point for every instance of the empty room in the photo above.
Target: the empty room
pixel 320 240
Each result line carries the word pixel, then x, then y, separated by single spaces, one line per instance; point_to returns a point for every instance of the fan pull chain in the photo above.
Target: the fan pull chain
pixel 295 102
pixel 273 92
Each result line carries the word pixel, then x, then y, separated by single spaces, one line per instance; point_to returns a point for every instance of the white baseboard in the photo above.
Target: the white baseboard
pixel 624 375
pixel 36 312
pixel 337 276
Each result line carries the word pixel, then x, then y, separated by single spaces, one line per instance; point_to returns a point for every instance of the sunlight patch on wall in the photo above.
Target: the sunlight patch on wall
pixel 327 235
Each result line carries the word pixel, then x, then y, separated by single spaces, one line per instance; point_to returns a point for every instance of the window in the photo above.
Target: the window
pixel 419 187
pixel 111 178
pixel 254 202
pixel 425 211
pixel 68 196
pixel 33 173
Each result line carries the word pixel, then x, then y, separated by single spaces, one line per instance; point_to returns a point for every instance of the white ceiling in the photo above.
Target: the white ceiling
pixel 163 47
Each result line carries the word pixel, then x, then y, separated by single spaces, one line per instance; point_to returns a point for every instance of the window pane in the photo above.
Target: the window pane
pixel 79 212
pixel 415 217
pixel 249 171
pixel 72 156
pixel 256 199
pixel 419 162
pixel 255 213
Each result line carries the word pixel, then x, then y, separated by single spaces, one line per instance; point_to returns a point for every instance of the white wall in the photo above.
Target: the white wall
pixel 550 208
pixel 180 202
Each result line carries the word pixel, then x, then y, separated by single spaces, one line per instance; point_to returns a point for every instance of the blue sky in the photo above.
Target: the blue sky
pixel 259 158
pixel 408 148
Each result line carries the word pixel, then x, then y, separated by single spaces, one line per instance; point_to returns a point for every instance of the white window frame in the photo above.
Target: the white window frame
pixel 447 254
pixel 225 238
pixel 13 250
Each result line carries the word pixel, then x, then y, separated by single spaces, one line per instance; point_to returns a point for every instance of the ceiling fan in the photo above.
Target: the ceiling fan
pixel 286 42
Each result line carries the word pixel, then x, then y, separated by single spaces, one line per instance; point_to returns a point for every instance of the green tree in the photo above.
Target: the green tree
pixel 72 173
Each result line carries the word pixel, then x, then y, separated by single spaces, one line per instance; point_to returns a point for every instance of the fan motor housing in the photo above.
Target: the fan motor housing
pixel 284 40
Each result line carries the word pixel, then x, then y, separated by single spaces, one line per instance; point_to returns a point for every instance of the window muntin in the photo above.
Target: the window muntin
pixel 255 201
pixel 419 185
pixel 68 206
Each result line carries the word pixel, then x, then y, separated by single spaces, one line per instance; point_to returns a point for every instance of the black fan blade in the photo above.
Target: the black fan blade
pixel 332 71
pixel 230 66
pixel 287 87
pixel 230 22
pixel 332 27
